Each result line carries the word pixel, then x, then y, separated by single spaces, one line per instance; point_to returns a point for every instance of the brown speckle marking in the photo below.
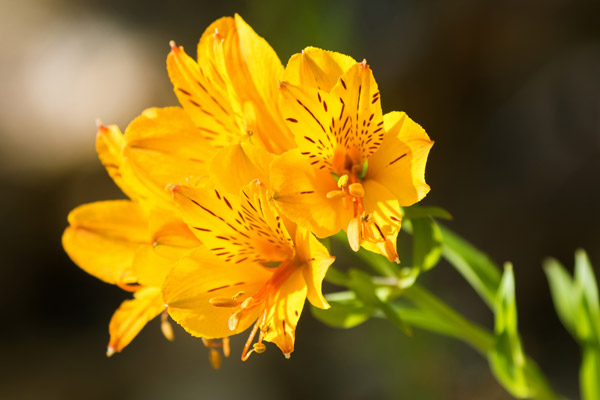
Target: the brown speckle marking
pixel 217 288
pixel 398 159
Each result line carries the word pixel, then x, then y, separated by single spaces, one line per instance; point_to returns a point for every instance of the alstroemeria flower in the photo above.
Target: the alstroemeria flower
pixel 354 167
pixel 221 291
pixel 231 92
pixel 132 244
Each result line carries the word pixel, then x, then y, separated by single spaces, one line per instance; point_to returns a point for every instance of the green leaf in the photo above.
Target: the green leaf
pixel 417 211
pixel 346 311
pixel 589 374
pixel 476 267
pixel 589 307
pixel 507 360
pixel 564 296
pixel 427 243
pixel 362 284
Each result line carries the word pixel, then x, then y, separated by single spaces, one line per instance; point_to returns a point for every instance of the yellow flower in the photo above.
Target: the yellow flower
pixel 332 105
pixel 221 290
pixel 231 92
pixel 132 244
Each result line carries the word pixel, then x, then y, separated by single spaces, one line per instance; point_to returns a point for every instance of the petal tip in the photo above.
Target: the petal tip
pixel 110 351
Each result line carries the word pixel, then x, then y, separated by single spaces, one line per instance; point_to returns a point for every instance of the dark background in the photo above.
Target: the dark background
pixel 509 91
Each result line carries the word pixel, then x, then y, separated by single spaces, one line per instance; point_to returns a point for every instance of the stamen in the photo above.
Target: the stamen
pixel 343 181
pixel 223 302
pixel 245 352
pixel 109 351
pixel 336 194
pixel 356 189
pixel 166 327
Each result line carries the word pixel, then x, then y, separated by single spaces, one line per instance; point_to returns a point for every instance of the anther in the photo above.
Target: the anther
pixel 356 189
pixel 354 233
pixel 234 320
pixel 166 327
pixel 336 194
pixel 238 294
pixel 247 303
pixel 214 358
pixel 110 351
pixel 223 302
pixel 259 347
pixel 343 181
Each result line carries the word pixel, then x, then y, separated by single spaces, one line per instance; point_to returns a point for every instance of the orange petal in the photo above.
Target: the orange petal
pixel 202 276
pixel 132 316
pixel 319 69
pixel 103 237
pixel 300 192
pixel 399 164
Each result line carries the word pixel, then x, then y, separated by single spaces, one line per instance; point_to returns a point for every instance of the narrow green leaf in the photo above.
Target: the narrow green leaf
pixel 563 293
pixel 589 374
pixel 427 243
pixel 417 211
pixel 346 311
pixel 476 267
pixel 507 360
pixel 362 284
pixel 585 279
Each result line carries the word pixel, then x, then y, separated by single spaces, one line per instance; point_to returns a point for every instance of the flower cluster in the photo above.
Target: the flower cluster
pixel 229 192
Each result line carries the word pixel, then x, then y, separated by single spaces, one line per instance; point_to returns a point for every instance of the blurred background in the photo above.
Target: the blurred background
pixel 509 91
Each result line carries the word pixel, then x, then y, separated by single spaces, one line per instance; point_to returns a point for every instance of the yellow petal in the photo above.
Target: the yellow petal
pixel 261 61
pixel 311 115
pixel 103 237
pixel 204 91
pixel 163 147
pixel 171 240
pixel 317 260
pixel 202 276
pixel 283 312
pixel 317 68
pixel 384 208
pixel 237 165
pixel 132 316
pixel 300 192
pixel 359 94
pixel 399 164
pixel 236 228
pixel 247 66
pixel 110 143
pixel 260 85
